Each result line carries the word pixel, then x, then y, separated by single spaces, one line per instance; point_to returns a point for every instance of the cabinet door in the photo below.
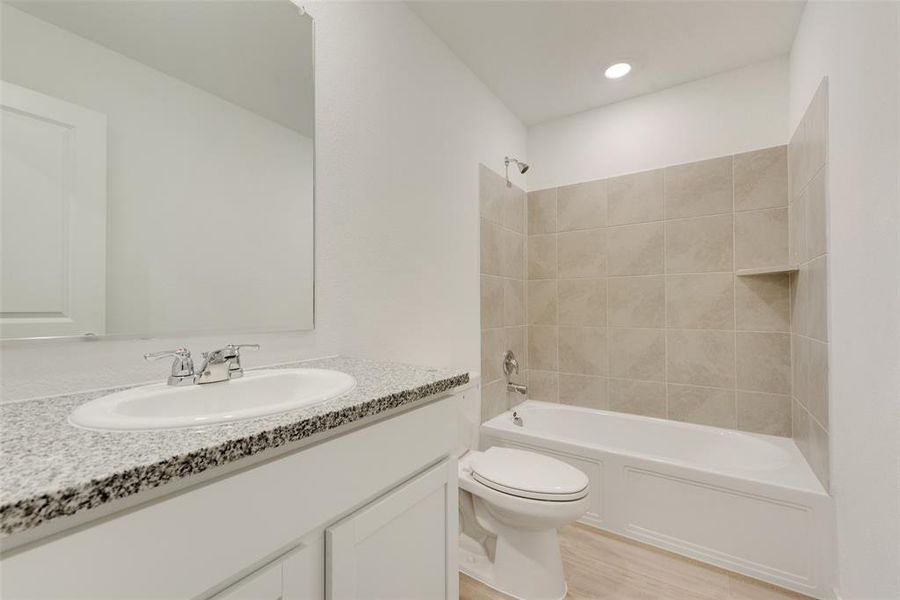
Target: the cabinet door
pixel 298 575
pixel 402 545
pixel 263 585
pixel 303 572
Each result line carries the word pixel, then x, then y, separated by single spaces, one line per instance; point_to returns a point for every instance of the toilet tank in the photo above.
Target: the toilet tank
pixel 469 415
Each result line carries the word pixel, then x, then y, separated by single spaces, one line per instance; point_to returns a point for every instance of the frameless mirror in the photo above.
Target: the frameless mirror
pixel 157 167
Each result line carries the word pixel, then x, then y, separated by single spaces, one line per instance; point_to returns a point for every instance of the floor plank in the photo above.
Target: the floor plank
pixel 603 566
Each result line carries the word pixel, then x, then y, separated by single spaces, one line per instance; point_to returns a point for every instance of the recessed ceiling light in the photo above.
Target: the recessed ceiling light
pixel 618 70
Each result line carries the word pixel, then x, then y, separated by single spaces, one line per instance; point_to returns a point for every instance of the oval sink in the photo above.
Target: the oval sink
pixel 256 394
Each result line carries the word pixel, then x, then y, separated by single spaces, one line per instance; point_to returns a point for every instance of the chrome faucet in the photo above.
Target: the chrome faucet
pixel 519 388
pixel 219 365
pixel 510 366
pixel 222 364
pixel 182 366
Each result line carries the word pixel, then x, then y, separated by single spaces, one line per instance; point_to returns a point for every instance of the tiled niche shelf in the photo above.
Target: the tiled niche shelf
pixel 767 270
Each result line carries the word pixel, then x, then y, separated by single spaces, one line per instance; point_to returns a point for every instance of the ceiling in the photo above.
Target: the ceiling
pixel 254 53
pixel 545 59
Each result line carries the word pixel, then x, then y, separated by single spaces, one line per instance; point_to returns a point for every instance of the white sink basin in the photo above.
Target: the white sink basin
pixel 257 393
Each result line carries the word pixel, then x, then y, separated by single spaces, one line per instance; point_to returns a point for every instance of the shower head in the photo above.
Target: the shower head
pixel 521 166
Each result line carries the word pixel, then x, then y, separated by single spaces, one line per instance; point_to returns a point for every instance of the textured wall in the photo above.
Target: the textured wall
pixel 633 302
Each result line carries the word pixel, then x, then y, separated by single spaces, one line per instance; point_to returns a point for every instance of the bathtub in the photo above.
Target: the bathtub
pixel 742 501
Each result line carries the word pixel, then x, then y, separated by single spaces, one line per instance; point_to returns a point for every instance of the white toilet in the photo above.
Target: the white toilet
pixel 511 503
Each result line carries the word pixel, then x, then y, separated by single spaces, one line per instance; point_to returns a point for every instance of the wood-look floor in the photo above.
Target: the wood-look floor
pixel 602 566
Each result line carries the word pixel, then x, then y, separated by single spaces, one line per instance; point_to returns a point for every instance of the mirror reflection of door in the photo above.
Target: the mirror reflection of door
pixel 209 168
pixel 53 214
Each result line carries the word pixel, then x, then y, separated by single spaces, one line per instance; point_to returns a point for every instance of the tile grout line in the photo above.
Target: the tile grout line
pixel 792 253
pixel 666 288
pixel 690 385
pixel 734 289
pixel 524 293
pixel 651 222
pixel 556 283
pixel 524 298
pixel 648 275
pixel 607 400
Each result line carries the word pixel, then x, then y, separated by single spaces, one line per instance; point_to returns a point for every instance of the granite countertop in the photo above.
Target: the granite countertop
pixel 50 469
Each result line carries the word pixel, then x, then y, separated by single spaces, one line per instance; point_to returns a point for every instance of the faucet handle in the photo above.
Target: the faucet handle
pixel 234 350
pixel 229 351
pixel 510 364
pixel 181 353
pixel 182 366
pixel 222 364
pixel 238 347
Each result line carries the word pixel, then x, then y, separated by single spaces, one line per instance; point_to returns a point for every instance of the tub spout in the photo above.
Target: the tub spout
pixel 517 388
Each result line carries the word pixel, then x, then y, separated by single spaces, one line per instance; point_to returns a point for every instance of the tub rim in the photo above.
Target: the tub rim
pixel 811 485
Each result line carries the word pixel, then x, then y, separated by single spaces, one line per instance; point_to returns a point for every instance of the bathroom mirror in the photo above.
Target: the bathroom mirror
pixel 157 167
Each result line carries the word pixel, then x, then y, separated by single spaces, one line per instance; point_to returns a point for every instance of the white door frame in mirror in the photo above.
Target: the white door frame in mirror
pixel 11 333
pixel 54 287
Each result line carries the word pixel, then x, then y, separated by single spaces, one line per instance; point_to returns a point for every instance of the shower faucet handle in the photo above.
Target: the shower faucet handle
pixel 510 364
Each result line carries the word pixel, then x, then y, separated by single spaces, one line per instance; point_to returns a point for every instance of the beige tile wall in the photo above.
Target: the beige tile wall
pixel 632 303
pixel 808 160
pixel 502 286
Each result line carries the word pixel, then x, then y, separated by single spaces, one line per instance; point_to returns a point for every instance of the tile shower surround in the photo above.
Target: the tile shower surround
pixel 632 303
pixel 502 212
pixel 808 181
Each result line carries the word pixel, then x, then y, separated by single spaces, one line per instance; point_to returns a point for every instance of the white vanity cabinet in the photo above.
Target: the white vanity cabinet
pixel 397 546
pixel 368 513
pixel 268 584
pixel 298 576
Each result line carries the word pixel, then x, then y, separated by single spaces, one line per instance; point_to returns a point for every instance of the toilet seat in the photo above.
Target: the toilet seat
pixel 529 475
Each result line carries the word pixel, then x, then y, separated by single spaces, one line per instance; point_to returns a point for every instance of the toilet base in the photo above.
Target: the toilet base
pixel 527 565
pixel 509 542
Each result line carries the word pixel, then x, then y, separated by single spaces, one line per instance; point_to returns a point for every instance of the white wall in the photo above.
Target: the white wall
pixel 198 188
pixel 402 126
pixel 857 46
pixel 739 110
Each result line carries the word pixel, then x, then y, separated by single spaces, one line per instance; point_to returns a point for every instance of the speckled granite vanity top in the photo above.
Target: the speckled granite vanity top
pixel 50 469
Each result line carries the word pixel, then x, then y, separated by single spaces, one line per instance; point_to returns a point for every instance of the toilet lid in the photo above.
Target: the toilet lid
pixel 529 475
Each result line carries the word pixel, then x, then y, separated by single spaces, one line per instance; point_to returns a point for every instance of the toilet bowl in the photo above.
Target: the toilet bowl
pixel 511 504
